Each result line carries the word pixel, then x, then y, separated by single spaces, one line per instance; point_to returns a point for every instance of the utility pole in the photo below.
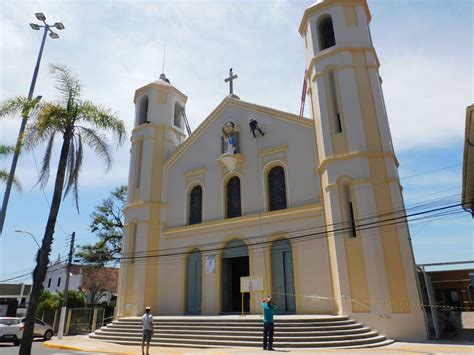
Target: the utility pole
pixel 47 28
pixel 66 287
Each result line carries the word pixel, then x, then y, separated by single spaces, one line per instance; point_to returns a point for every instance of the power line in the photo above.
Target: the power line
pixel 29 273
pixel 324 234
pixel 336 224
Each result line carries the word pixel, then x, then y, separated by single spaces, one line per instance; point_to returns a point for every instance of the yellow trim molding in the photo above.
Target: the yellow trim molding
pixel 273 150
pixel 328 3
pixel 320 169
pixel 273 216
pixel 193 172
pixel 145 204
pixel 336 50
pixel 159 86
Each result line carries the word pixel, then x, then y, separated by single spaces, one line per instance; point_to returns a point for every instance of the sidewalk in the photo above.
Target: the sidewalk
pixel 82 343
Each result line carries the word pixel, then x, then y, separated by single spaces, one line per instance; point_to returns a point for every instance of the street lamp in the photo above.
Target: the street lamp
pixel 32 236
pixel 47 28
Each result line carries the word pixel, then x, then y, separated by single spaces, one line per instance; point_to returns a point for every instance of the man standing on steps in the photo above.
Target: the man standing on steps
pixel 147 321
pixel 268 324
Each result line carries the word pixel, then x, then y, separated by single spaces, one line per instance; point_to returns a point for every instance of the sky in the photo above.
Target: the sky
pixel 425 48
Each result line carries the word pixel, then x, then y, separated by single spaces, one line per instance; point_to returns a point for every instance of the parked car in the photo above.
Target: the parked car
pixel 11 330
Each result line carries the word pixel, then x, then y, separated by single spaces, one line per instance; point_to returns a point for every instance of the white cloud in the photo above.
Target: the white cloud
pixel 116 47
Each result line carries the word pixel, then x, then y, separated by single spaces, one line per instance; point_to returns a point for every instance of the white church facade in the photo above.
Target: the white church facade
pixel 312 206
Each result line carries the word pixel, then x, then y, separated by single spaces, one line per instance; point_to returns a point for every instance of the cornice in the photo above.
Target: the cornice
pixel 231 223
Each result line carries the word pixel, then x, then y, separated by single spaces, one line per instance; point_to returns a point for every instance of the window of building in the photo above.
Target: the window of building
pixel 233 198
pixel 138 163
pixel 132 242
pixel 326 33
pixel 334 101
pixel 277 189
pixel 49 282
pixel 143 110
pixel 59 282
pixel 350 225
pixel 195 205
pixel 177 114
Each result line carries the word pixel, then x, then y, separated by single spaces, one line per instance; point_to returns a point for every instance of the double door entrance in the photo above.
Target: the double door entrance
pixel 194 282
pixel 235 264
pixel 283 282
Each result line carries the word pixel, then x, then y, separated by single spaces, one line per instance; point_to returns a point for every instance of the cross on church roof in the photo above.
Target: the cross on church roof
pixel 230 80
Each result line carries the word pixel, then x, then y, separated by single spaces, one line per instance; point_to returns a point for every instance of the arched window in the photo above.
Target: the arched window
pixel 233 198
pixel 336 112
pixel 177 114
pixel 326 33
pixel 349 213
pixel 277 189
pixel 195 205
pixel 143 112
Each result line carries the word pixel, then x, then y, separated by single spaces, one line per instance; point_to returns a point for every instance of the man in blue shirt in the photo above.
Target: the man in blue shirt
pixel 268 326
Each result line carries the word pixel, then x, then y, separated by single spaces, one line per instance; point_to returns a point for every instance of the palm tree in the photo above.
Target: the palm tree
pixel 78 123
pixel 6 150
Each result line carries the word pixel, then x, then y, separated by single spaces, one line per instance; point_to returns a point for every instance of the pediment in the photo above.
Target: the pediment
pixel 216 113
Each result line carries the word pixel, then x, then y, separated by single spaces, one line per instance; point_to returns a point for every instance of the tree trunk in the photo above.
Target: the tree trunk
pixel 42 258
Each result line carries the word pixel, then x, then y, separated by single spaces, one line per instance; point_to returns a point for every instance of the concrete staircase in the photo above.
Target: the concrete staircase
pixel 233 331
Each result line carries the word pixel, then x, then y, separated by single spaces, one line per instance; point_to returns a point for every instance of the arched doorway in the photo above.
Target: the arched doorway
pixel 234 265
pixel 283 282
pixel 193 282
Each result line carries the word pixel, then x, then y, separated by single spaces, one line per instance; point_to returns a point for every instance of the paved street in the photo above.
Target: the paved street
pixel 38 349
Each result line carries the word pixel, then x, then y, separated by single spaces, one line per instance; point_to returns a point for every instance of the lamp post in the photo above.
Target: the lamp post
pixel 47 29
pixel 32 236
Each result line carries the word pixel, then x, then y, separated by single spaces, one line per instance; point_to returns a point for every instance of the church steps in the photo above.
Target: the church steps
pixel 203 343
pixel 209 332
pixel 243 328
pixel 258 332
pixel 225 319
pixel 243 323
pixel 253 337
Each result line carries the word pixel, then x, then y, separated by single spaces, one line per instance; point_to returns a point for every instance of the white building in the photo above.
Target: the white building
pixel 303 206
pixel 99 285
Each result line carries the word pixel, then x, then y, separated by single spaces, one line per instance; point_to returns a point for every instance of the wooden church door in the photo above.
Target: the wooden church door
pixel 283 282
pixel 194 283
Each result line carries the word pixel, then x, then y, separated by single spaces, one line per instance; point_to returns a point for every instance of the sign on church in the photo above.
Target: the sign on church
pixel 251 284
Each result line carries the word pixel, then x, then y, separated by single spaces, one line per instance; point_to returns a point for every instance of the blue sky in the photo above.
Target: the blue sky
pixel 426 54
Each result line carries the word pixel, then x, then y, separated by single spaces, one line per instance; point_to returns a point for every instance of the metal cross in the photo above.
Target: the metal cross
pixel 230 80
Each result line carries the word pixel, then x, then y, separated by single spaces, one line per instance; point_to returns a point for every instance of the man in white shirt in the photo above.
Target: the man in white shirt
pixel 147 321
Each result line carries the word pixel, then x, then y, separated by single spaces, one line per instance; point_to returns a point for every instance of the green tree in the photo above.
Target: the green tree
pixel 77 122
pixel 107 224
pixel 6 150
pixel 48 302
pixel 75 299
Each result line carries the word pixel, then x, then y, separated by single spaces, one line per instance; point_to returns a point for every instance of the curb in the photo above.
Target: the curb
pixel 68 347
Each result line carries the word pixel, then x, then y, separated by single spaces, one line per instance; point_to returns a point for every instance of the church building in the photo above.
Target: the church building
pixel 310 208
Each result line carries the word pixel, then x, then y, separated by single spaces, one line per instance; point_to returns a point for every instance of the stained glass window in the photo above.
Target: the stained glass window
pixel 195 205
pixel 277 188
pixel 233 198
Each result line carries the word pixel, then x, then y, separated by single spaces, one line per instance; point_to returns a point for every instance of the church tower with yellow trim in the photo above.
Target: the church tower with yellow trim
pixel 371 260
pixel 158 131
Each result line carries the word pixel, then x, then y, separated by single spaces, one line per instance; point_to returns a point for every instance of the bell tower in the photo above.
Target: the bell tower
pixel 158 130
pixel 371 258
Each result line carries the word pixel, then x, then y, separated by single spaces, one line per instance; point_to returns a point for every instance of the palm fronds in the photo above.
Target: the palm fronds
pixel 6 150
